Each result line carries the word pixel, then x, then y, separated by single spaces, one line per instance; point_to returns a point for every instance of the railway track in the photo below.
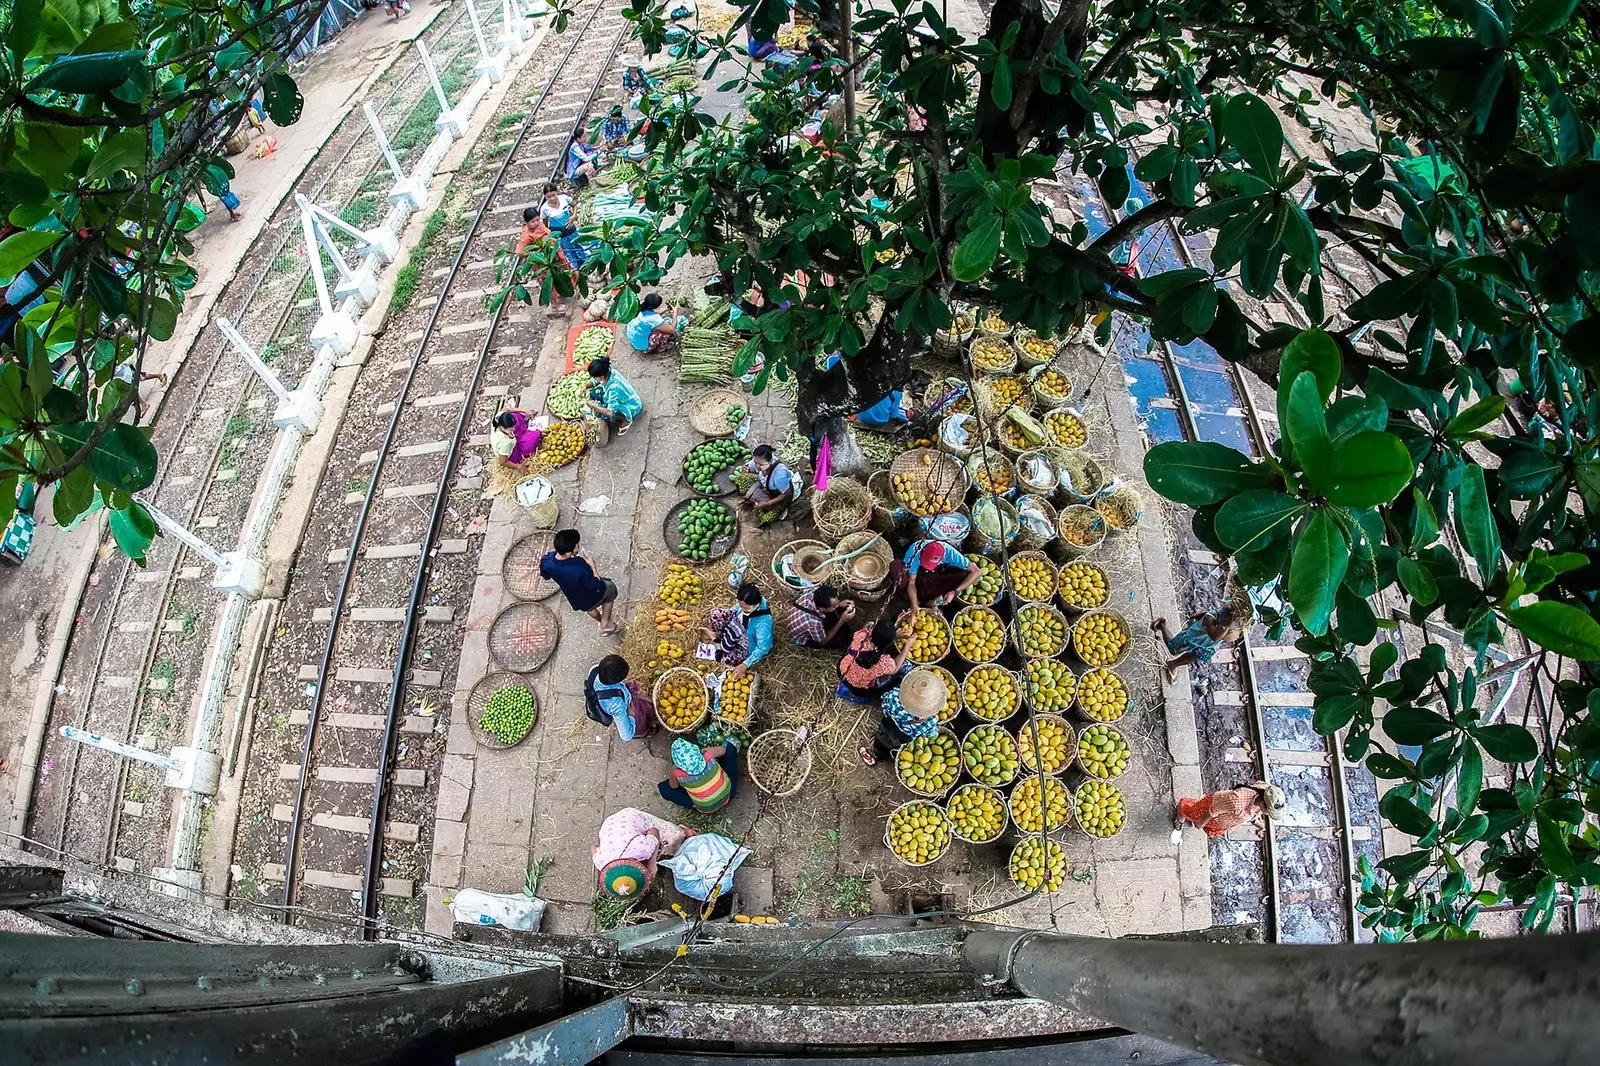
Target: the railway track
pixel 147 618
pixel 380 601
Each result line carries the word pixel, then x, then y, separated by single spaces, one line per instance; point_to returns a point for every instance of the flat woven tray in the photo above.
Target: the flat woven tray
pixel 524 636
pixel 520 571
pixel 721 544
pixel 478 702
pixel 708 412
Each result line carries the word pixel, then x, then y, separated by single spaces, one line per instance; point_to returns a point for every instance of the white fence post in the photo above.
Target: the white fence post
pixel 235 573
pixel 489 66
pixel 296 410
pixel 405 190
pixel 449 120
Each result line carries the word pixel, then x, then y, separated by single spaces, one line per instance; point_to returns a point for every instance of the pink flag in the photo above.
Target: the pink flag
pixel 824 461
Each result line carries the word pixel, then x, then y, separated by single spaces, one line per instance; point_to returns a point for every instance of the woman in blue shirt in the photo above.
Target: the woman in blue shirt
pixel 612 398
pixel 583 159
pixel 651 332
pixel 742 633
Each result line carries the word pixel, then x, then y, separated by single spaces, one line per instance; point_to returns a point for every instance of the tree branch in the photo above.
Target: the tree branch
pixel 1147 215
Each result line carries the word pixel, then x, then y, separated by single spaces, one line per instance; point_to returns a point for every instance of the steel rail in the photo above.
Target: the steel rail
pixel 419 582
pixel 324 665
pixel 255 286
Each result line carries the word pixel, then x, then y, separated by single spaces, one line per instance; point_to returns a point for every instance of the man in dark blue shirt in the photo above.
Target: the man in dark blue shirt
pixel 585 590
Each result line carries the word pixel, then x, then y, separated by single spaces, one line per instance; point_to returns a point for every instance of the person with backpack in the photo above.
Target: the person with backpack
pixel 609 698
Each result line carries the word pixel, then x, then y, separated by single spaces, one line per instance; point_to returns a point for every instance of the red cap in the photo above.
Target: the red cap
pixel 932 554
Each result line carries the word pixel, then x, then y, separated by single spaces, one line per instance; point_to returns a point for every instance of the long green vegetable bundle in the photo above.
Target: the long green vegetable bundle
pixel 708 355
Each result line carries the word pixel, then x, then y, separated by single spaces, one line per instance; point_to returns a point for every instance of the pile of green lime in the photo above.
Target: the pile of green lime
pixel 510 714
pixel 699 524
pixel 701 465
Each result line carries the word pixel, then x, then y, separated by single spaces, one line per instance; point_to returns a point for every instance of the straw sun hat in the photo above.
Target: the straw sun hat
pixel 1272 798
pixel 923 693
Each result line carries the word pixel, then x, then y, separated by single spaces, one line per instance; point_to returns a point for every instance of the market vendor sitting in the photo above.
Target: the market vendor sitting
pixel 635 79
pixel 776 487
pixel 934 573
pixel 820 618
pixel 874 663
pixel 651 332
pixel 615 130
pixel 743 632
pixel 702 779
pixel 514 439
pixel 630 844
pixel 909 711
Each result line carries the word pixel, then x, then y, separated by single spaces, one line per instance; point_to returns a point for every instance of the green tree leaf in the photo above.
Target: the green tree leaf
pixel 1197 474
pixel 1417 580
pixel 1415 725
pixel 96 73
pixel 123 459
pixel 1316 568
pixel 1253 130
pixel 1369 469
pixel 1558 627
pixel 1475 521
pixel 1540 17
pixel 133 529
pixel 1000 87
pixel 975 254
pixel 1253 519
pixel 1469 778
pixel 1507 742
pixel 1477 416
pixel 1403 814
pixel 1307 429
pixel 20 249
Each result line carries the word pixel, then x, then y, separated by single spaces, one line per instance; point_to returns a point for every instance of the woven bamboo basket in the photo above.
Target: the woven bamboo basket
pixel 1062 426
pixel 1025 745
pixel 1045 348
pixel 1007 743
pixel 749 713
pixel 1122 507
pixel 1039 611
pixel 928 482
pixel 523 637
pixel 990 322
pixel 1053 852
pixel 478 702
pixel 1120 657
pixel 1035 514
pixel 1077 793
pixel 1012 438
pixel 867 573
pixel 1117 712
pixel 958 435
pixel 945 396
pixel 780 761
pixel 1082 477
pixel 1041 382
pixel 991 474
pixel 952 688
pixel 918 803
pixel 1037 473
pixel 1004 520
pixel 1024 791
pixel 976 609
pixel 990 353
pixel 1039 706
pixel 708 412
pixel 1067 573
pixel 997 393
pixel 1016 562
pixel 845 508
pixel 998 801
pixel 1081 530
pixel 970 596
pixel 967 693
pixel 705 697
pixel 803 564
pixel 888 514
pixel 942 641
pixel 949 736
pixel 1111 731
pixel 520 571
pixel 948 344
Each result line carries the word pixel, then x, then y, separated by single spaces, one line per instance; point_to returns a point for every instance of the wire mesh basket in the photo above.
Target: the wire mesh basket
pixel 708 412
pixel 928 482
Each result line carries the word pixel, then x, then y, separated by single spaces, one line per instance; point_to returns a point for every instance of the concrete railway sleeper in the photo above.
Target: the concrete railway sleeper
pixel 420 447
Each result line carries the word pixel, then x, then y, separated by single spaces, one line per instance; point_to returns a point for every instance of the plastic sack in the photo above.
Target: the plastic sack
pixel 1034 520
pixel 951 528
pixel 1036 473
pixel 702 858
pixel 954 431
pixel 512 909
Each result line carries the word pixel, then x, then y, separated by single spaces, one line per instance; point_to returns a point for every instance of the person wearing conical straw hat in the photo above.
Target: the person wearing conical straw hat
pixel 630 843
pixel 909 711
pixel 1219 812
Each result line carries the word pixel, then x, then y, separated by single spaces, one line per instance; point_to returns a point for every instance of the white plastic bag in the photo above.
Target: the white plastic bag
pixel 955 432
pixel 534 491
pixel 701 859
pixel 514 910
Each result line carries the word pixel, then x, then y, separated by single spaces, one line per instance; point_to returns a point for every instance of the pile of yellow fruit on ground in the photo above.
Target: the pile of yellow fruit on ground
pixel 1053 383
pixel 952 695
pixel 1051 685
pixel 929 765
pixel 668 655
pixel 925 499
pixel 992 354
pixel 1055 741
pixel 1030 814
pixel 1038 863
pixel 990 755
pixel 991 693
pixel 1081 526
pixel 918 832
pixel 682 702
pixel 1102 696
pixel 978 634
pixel 1041 631
pixel 987 588
pixel 561 443
pixel 680 586
pixel 1099 808
pixel 1032 577
pixel 992 475
pixel 1102 752
pixel 670 618
pixel 977 813
pixel 733 702
pixel 1084 585
pixel 1035 347
pixel 1100 639
pixel 1066 428
pixel 930 636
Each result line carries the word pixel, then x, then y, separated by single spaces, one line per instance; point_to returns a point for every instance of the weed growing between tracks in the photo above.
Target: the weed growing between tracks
pixel 405 282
